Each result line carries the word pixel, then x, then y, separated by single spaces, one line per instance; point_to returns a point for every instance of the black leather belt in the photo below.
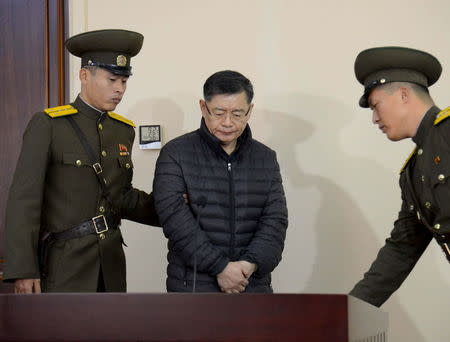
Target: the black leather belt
pixel 96 225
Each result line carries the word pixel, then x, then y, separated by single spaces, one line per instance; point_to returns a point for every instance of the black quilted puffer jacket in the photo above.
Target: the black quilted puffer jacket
pixel 244 218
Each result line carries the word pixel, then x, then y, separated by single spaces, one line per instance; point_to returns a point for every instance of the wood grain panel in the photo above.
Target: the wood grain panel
pixel 32 77
pixel 174 317
pixel 22 50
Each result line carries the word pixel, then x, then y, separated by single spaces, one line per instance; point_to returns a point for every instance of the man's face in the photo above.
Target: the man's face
pixel 389 113
pixel 226 117
pixel 102 89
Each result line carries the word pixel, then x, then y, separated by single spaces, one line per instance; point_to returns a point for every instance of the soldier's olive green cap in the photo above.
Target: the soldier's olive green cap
pixel 381 65
pixel 108 49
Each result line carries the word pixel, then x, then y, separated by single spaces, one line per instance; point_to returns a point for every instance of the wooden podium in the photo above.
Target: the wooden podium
pixel 189 317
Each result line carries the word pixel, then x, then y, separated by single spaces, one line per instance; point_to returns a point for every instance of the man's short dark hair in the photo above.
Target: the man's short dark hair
pixel 227 82
pixel 91 68
pixel 421 92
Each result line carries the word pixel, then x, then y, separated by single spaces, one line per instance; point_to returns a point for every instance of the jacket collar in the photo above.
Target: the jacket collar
pixel 242 142
pixel 425 125
pixel 86 109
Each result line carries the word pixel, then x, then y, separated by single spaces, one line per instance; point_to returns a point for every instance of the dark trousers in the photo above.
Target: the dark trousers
pixel 101 281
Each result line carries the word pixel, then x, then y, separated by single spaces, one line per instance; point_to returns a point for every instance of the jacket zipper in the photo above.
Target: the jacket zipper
pixel 232 211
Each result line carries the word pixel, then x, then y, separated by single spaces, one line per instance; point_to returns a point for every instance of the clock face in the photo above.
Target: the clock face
pixel 150 137
pixel 149 134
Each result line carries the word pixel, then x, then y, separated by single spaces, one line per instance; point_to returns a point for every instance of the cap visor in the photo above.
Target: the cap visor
pixel 363 102
pixel 120 72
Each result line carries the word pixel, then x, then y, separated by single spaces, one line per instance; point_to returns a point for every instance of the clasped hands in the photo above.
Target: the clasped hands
pixel 27 286
pixel 234 278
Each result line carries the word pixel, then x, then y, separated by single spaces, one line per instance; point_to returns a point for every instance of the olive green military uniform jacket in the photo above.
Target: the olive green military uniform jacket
pixel 424 214
pixel 55 188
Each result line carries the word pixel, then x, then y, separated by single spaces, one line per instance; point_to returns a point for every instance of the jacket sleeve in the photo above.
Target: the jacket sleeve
pixel 137 205
pixel 267 244
pixel 24 206
pixel 177 217
pixel 395 260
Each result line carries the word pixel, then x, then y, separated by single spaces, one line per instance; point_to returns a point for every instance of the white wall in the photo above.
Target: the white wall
pixel 340 173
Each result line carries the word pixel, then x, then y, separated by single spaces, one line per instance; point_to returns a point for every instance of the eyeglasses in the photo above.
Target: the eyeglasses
pixel 236 115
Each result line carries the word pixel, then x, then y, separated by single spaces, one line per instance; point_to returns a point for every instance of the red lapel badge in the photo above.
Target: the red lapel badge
pixel 123 151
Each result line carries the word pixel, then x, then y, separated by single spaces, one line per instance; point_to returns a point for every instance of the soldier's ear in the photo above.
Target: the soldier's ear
pixel 405 93
pixel 83 75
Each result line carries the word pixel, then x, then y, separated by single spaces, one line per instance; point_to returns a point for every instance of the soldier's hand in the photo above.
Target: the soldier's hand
pixel 27 286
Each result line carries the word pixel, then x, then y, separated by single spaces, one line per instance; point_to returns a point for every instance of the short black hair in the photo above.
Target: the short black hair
pixel 227 82
pixel 91 68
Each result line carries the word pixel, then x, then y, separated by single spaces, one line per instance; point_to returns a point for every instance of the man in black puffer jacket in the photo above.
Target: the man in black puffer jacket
pixel 235 241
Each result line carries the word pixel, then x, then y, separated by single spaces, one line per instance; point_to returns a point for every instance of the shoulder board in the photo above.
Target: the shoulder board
pixel 442 115
pixel 121 118
pixel 56 112
pixel 407 160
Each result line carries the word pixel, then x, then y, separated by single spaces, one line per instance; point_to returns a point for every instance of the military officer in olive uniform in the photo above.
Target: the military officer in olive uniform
pixel 72 184
pixel 396 82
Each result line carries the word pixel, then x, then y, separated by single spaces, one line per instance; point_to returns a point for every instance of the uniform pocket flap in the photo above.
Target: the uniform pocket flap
pixel 439 175
pixel 125 161
pixel 77 159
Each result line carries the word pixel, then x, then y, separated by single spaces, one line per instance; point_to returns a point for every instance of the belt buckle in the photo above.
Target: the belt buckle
pixel 98 220
pixel 98 169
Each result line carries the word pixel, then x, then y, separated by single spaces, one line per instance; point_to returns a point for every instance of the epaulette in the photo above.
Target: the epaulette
pixel 121 118
pixel 56 112
pixel 442 115
pixel 407 160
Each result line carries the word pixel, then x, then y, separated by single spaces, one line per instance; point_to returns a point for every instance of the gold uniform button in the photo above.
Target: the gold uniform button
pixel 104 153
pixel 78 162
pixel 411 207
pixel 102 236
pixel 101 209
pixel 427 205
pixel 100 126
pixel 127 165
pixel 419 151
pixel 422 178
pixel 441 177
pixel 437 226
